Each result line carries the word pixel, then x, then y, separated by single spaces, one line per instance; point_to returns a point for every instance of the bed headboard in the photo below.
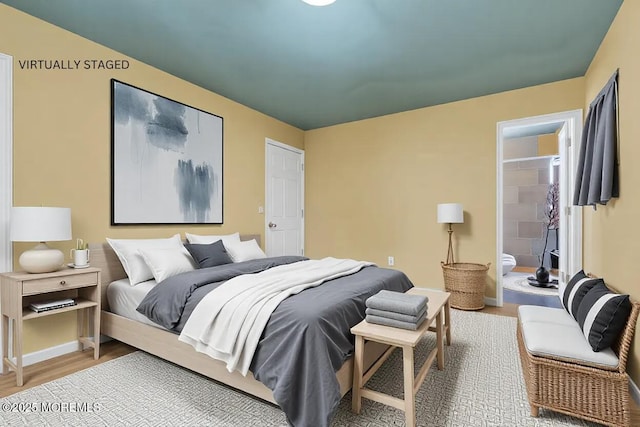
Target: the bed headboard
pixel 104 258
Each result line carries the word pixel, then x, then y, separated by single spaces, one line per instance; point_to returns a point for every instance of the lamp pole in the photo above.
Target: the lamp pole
pixel 450 259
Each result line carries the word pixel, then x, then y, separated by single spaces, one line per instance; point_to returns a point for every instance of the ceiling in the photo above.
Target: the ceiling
pixel 317 66
pixel 531 130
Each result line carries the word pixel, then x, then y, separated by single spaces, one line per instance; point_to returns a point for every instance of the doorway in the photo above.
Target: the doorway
pixel 550 164
pixel 284 213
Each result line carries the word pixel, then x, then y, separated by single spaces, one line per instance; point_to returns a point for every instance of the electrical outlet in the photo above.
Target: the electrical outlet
pixel 391 261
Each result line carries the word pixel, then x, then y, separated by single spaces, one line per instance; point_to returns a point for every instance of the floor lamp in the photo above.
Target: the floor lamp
pixel 450 213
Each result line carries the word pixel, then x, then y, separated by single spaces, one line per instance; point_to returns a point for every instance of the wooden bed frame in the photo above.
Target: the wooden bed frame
pixel 165 344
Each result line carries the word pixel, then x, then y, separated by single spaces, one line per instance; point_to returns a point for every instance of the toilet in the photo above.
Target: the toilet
pixel 508 263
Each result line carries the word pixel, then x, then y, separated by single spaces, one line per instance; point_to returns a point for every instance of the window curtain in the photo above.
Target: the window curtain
pixel 597 172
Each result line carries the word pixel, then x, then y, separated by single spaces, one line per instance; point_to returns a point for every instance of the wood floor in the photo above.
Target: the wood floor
pixel 61 366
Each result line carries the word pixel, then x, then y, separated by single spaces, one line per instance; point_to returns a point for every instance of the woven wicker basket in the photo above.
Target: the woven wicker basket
pixel 466 282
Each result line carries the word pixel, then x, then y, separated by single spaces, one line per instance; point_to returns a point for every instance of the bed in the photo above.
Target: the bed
pixel 155 340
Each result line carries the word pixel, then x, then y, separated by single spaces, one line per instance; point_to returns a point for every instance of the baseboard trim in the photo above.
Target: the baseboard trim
pixel 55 351
pixel 49 353
pixel 635 391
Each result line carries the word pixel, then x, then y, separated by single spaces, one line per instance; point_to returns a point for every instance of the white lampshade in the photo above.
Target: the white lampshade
pixel 319 2
pixel 450 213
pixel 40 224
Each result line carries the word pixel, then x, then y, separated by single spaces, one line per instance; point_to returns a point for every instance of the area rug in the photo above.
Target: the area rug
pixel 518 282
pixel 481 385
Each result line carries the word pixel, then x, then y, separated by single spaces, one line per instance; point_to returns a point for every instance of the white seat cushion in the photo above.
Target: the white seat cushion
pixel 547 333
pixel 534 313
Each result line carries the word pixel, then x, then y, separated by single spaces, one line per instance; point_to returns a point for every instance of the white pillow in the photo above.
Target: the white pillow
pixel 244 251
pixel 205 240
pixel 167 262
pixel 132 261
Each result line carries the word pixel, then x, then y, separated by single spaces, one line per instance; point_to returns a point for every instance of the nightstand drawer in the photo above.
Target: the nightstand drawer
pixel 37 286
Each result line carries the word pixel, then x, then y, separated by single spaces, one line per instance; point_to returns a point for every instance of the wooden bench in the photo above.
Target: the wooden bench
pixel 407 340
pixel 579 388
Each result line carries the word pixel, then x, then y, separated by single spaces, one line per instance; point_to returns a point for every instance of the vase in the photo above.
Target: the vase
pixel 542 275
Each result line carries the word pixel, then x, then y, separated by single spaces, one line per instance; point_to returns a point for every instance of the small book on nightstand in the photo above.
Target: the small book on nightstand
pixel 39 307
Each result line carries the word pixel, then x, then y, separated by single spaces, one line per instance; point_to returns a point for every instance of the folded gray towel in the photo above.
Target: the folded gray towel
pixel 397 316
pixel 394 323
pixel 398 302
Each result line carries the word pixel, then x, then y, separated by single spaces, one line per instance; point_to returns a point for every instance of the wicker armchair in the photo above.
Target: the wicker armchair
pixel 580 390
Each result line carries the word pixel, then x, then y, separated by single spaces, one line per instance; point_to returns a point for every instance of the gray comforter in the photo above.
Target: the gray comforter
pixel 306 340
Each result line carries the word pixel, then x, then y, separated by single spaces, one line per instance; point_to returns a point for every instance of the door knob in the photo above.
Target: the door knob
pixel 272 225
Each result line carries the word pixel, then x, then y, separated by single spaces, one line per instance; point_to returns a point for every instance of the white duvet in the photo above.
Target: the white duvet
pixel 228 322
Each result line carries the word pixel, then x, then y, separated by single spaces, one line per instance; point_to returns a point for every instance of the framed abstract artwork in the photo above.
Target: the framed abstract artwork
pixel 166 160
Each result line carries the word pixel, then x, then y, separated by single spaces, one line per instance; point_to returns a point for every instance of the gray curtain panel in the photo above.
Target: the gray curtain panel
pixel 597 173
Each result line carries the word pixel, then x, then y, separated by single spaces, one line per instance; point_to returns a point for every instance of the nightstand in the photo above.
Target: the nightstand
pixel 18 290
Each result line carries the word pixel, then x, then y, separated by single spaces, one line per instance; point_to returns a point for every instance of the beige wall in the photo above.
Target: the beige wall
pixel 520 148
pixel 530 146
pixel 62 143
pixel 372 186
pixel 611 233
pixel 548 144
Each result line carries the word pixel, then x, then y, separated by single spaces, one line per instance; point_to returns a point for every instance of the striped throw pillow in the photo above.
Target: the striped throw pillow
pixel 602 315
pixel 572 294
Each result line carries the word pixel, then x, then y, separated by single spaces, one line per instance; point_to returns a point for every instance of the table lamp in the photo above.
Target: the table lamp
pixel 40 224
pixel 450 213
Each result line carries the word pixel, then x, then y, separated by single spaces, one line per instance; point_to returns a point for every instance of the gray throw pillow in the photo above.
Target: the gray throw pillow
pixel 209 255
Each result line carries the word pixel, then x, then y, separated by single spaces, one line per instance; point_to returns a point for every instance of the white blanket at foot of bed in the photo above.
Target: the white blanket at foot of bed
pixel 228 322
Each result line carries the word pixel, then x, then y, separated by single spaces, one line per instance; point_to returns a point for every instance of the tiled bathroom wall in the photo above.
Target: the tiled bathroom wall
pixel 526 184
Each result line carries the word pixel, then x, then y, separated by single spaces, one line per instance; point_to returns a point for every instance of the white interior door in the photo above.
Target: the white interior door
pixel 284 215
pixel 570 235
pixel 6 159
pixel 6 164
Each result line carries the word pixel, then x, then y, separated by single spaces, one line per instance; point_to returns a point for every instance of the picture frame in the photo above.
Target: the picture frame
pixel 166 160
